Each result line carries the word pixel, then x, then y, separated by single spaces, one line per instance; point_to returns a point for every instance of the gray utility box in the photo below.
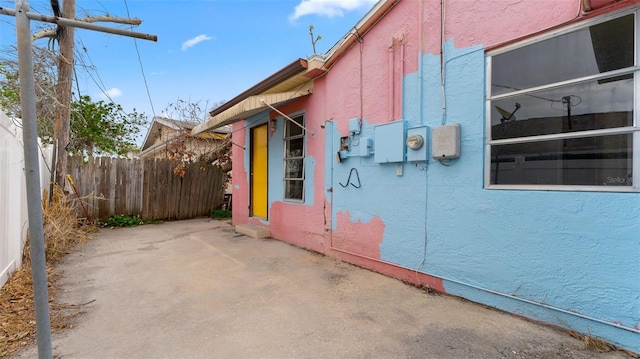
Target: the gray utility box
pixel 445 142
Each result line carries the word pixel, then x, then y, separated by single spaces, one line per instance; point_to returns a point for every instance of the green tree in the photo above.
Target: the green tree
pixel 97 128
pixel 103 128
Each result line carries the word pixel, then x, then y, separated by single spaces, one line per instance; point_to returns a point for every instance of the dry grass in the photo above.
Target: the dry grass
pixel 599 345
pixel 62 232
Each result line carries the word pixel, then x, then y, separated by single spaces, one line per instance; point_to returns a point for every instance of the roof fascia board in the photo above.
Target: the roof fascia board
pixel 149 132
pixel 286 72
pixel 168 122
pixel 249 106
pixel 155 126
pixel 158 146
pixel 363 26
pixel 154 148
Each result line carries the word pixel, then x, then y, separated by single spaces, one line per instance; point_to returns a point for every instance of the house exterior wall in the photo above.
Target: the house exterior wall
pixel 190 144
pixel 568 258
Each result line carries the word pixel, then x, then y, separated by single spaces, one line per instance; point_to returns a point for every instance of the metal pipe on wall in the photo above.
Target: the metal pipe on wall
pixel 391 82
pixel 402 43
pixel 443 64
pixel 420 59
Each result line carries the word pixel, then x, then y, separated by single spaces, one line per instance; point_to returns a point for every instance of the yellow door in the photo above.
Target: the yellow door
pixel 259 173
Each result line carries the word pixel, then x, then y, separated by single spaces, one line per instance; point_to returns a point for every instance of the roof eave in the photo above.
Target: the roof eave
pixel 147 139
pixel 368 21
pixel 286 72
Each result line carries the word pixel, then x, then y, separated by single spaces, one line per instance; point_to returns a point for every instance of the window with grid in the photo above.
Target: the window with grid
pixel 294 159
pixel 561 110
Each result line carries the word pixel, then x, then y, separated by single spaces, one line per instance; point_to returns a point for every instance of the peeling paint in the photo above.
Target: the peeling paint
pixel 566 258
pixel 358 237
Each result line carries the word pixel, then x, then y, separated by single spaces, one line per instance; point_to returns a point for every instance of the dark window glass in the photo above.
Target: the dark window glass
pixel 591 161
pixel 294 159
pixel 579 107
pixel 597 49
pixel 292 129
pixel 293 189
pixel 295 147
pixel 293 168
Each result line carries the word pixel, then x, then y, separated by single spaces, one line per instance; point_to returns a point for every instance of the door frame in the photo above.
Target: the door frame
pixel 252 197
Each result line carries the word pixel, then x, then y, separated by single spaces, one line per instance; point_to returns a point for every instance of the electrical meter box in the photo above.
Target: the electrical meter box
pixel 417 144
pixel 445 142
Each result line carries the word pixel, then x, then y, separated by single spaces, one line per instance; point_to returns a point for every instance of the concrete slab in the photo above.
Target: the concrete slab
pixel 253 231
pixel 198 289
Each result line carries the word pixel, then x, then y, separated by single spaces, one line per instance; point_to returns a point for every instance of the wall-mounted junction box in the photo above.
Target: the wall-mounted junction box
pixel 365 147
pixel 445 142
pixel 354 126
pixel 389 142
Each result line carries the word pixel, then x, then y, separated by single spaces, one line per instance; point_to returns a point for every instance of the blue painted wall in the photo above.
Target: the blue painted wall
pixel 397 200
pixel 571 259
pixel 574 251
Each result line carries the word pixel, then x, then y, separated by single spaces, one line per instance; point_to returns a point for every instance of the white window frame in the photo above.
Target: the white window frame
pixel 634 129
pixel 285 158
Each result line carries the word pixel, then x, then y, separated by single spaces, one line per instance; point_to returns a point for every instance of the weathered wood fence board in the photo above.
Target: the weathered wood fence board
pixel 148 187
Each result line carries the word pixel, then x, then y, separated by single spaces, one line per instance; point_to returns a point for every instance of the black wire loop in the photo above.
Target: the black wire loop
pixel 349 179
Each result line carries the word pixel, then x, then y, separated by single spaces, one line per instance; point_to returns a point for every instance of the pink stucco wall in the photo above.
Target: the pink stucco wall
pixel 388 52
pixel 239 184
pixel 306 218
pixel 492 22
pixel 366 82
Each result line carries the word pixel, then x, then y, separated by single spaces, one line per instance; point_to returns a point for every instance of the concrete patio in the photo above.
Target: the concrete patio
pixel 198 289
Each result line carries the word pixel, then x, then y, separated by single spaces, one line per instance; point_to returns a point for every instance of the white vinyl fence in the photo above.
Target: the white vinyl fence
pixel 13 197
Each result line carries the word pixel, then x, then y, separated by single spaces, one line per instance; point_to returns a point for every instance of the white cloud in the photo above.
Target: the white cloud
pixel 329 8
pixel 112 93
pixel 192 42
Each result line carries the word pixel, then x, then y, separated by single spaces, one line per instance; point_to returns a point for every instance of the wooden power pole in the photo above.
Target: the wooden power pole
pixel 30 138
pixel 63 96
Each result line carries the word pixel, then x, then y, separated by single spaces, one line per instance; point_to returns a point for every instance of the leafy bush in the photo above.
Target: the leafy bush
pixel 221 213
pixel 123 220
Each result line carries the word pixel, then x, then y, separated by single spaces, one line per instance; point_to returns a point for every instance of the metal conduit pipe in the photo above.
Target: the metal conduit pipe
pixel 443 64
pixel 391 82
pixel 402 42
pixel 420 57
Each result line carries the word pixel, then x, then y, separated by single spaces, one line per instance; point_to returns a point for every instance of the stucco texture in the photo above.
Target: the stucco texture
pixel 569 258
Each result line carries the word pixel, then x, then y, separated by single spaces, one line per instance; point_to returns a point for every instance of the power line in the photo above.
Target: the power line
pixel 146 85
pixel 99 83
pixel 101 86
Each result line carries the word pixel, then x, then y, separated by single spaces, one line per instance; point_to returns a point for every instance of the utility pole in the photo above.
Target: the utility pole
pixel 32 174
pixel 63 96
pixel 31 163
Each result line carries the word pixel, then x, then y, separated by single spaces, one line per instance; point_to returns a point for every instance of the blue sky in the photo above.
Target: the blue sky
pixel 206 50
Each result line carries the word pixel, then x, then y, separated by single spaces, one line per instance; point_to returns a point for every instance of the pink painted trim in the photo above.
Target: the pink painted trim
pixel 391 270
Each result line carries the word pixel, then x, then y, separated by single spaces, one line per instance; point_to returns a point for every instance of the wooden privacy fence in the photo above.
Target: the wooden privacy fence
pixel 146 187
